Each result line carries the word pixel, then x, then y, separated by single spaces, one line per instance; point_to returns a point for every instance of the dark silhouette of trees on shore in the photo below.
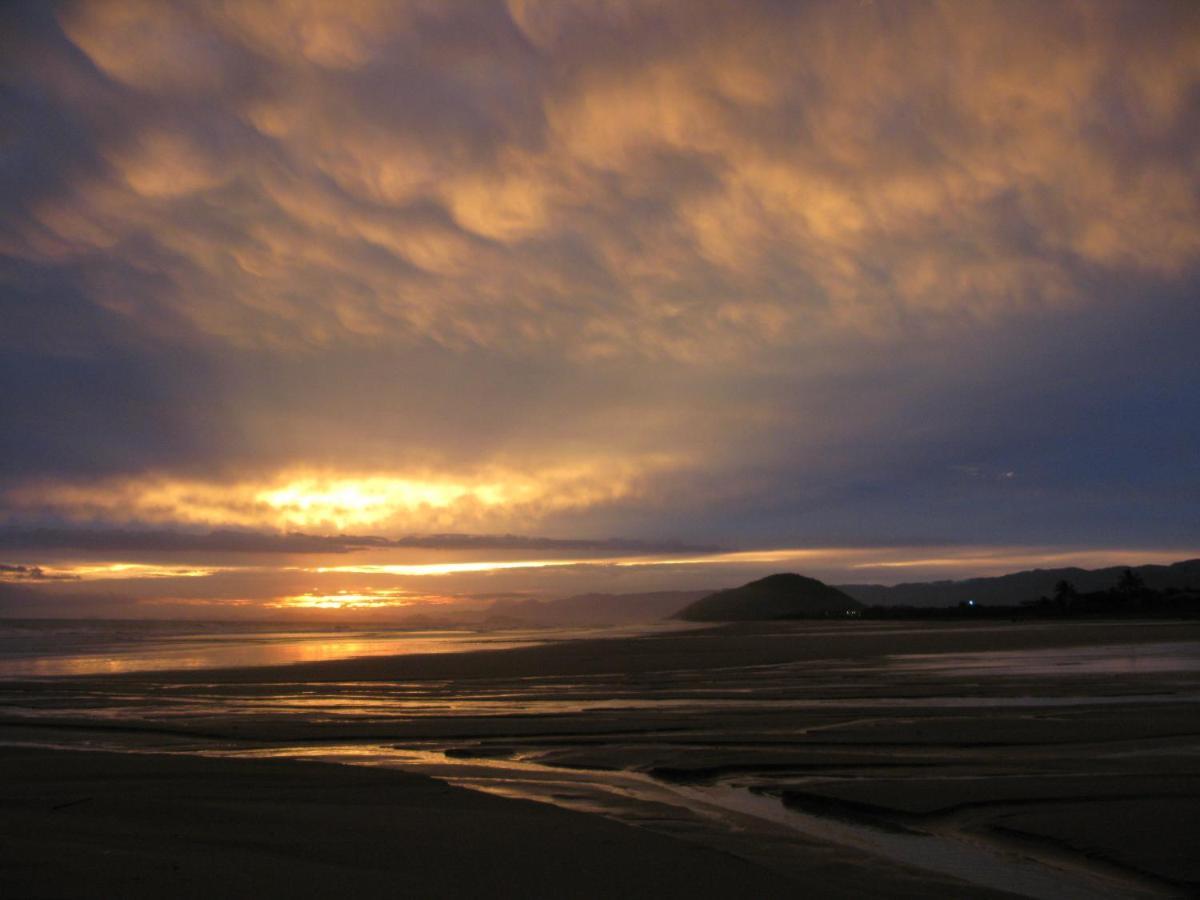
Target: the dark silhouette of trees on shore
pixel 1129 597
pixel 1130 583
pixel 1065 595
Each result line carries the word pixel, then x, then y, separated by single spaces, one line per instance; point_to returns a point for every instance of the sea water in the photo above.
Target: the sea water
pixel 56 647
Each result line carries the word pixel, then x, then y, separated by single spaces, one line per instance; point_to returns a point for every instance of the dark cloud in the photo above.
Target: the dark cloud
pixel 122 541
pixel 87 393
pixel 10 572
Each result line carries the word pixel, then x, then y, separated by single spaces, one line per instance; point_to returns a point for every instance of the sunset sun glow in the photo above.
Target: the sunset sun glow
pixel 548 298
pixel 339 502
pixel 382 599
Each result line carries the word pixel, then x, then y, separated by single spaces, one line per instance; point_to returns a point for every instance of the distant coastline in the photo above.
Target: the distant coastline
pixel 1130 593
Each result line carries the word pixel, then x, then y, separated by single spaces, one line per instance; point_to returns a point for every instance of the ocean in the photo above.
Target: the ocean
pixel 78 647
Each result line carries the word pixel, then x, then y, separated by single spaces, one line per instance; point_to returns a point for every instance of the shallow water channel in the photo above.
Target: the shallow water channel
pixel 698 810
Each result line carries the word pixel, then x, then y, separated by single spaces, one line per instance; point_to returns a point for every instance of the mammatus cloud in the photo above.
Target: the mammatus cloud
pixel 650 179
pixel 750 273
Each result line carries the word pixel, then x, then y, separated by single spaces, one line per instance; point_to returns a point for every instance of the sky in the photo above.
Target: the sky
pixel 400 305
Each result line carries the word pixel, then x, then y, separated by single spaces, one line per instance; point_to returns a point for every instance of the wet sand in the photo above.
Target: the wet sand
pixel 112 825
pixel 713 648
pixel 1073 749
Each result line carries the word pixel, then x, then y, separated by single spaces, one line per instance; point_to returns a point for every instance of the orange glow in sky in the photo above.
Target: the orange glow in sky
pixel 306 500
pixel 305 298
pixel 120 570
pixel 365 599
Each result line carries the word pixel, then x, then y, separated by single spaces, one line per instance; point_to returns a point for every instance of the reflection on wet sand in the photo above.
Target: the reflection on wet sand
pixel 272 649
pixel 44 648
pixel 731 807
pixel 1111 659
pixel 977 748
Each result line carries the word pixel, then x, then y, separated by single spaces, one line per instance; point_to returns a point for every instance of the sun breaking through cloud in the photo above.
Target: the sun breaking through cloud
pixel 749 275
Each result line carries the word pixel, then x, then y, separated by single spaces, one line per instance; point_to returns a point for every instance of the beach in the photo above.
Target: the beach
pixel 834 759
pixel 100 824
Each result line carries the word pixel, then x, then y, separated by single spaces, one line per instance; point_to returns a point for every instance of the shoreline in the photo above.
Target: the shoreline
pixel 711 645
pixel 868 638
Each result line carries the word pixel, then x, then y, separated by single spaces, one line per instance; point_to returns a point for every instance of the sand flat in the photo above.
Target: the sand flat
pixel 733 645
pixel 126 825
pixel 802 710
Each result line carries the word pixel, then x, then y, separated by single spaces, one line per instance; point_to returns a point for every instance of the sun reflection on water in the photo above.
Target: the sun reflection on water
pixel 260 649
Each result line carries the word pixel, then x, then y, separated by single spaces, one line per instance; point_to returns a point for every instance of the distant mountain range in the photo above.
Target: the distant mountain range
pixel 1013 589
pixel 784 596
pixel 1003 590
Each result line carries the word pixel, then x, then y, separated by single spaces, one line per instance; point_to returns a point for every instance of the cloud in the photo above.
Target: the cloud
pixel 615 180
pixel 11 572
pixel 736 272
pixel 143 44
pixel 118 541
pixel 85 393
pixel 337 501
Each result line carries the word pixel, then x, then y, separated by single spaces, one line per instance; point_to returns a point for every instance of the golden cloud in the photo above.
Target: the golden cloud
pixel 663 179
pixel 164 164
pixel 125 571
pixel 385 598
pixel 496 498
pixel 156 47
